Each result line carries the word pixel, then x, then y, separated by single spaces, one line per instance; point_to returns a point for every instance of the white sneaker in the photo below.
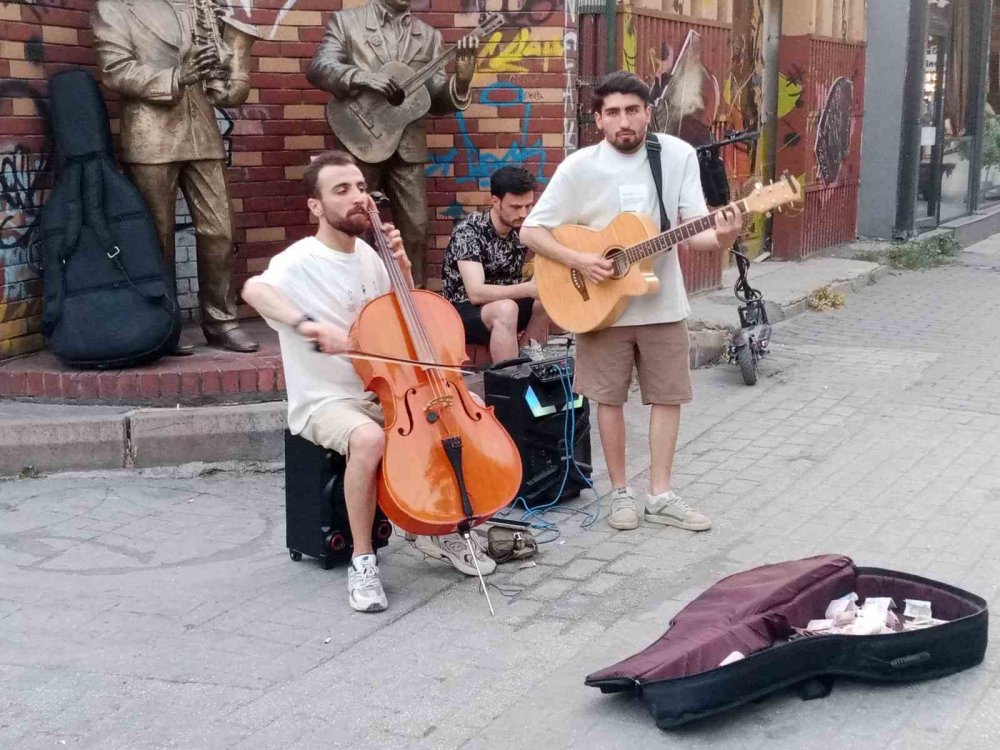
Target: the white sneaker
pixel 365 586
pixel 670 510
pixel 453 549
pixel 623 514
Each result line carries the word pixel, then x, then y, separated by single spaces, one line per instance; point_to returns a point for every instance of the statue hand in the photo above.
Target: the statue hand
pixel 465 58
pixel 197 66
pixel 381 84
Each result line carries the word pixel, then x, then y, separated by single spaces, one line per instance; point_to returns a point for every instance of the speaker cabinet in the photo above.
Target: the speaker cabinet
pixel 315 512
pixel 531 402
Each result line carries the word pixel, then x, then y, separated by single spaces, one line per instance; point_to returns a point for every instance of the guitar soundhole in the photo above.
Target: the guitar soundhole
pixel 619 262
pixel 397 98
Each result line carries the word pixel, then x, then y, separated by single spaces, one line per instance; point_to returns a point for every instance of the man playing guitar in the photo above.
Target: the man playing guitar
pixel 589 188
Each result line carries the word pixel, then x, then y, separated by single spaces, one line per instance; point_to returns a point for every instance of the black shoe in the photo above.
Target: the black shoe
pixel 235 340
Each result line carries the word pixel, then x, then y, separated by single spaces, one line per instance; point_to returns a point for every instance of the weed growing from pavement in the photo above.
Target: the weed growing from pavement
pixel 915 255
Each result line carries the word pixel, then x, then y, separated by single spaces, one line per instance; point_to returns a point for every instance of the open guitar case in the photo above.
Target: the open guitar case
pixel 679 678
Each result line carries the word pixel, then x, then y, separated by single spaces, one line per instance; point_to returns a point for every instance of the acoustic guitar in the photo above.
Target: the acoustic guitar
pixel 630 242
pixel 371 126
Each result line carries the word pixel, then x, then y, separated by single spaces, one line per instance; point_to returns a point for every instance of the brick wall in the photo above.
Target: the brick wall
pixel 523 113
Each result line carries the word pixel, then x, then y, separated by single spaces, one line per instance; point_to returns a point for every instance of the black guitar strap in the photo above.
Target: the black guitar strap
pixel 656 167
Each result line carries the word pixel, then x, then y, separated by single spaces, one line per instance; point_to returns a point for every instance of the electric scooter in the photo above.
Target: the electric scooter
pixel 750 342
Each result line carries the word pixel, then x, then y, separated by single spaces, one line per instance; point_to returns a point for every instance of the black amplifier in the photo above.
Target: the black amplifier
pixel 315 512
pixel 531 402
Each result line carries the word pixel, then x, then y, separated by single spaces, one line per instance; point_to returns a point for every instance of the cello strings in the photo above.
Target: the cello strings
pixel 410 315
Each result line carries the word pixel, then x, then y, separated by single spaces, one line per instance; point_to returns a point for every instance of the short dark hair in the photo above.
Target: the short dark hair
pixel 326 159
pixel 619 82
pixel 511 180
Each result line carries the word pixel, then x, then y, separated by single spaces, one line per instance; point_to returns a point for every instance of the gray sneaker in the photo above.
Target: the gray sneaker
pixel 670 510
pixel 623 514
pixel 453 549
pixel 365 586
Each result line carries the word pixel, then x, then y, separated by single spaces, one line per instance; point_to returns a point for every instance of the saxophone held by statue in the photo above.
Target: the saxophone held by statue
pixel 217 27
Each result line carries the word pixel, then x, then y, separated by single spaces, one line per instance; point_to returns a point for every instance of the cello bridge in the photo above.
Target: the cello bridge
pixel 445 401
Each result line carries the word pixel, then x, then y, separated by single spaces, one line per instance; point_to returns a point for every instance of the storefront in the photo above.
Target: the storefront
pixel 942 129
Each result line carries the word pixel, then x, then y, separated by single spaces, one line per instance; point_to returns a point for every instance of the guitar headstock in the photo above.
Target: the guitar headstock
pixel 492 22
pixel 781 192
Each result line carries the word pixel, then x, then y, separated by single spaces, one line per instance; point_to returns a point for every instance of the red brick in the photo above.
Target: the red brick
pixel 69 384
pixel 248 379
pixel 265 379
pixel 36 384
pixel 128 385
pixel 5 378
pixel 107 385
pixel 170 384
pixel 211 383
pixel 230 381
pixel 149 385
pixel 18 383
pixel 280 379
pixel 50 385
pixel 88 385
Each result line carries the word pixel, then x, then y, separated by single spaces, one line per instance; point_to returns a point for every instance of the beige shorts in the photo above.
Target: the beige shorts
pixel 331 424
pixel 660 352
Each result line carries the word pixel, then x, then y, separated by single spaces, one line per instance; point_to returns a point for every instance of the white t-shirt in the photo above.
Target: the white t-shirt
pixel 332 286
pixel 595 184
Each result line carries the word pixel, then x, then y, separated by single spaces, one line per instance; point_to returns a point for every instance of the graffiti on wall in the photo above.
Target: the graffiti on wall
pixel 833 134
pixel 520 13
pixel 481 164
pixel 499 56
pixel 570 45
pixel 685 100
pixel 22 172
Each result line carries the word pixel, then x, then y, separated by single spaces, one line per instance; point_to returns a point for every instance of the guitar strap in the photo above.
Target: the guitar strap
pixel 656 167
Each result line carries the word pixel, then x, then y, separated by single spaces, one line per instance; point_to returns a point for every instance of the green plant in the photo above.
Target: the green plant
pixel 919 254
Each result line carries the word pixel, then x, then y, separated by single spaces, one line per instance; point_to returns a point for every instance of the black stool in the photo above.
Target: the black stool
pixel 315 512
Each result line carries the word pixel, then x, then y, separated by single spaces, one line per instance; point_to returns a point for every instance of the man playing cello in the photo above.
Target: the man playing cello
pixel 310 294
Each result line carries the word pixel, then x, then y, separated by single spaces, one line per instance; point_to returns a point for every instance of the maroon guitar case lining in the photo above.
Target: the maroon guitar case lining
pixel 754 612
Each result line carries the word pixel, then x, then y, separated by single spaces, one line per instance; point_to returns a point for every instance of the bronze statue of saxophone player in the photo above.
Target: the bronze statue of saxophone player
pixel 172 63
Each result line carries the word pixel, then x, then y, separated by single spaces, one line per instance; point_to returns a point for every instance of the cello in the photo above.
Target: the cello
pixel 448 463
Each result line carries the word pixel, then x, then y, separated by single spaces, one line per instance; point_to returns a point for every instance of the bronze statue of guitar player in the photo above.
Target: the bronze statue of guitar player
pixel 386 70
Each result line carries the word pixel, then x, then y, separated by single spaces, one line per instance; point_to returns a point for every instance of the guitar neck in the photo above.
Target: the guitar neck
pixel 665 241
pixel 424 74
pixel 420 77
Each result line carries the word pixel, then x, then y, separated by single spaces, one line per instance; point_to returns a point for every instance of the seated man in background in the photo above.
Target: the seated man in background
pixel 483 270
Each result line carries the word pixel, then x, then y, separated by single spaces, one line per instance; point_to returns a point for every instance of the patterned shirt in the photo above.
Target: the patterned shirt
pixel 476 239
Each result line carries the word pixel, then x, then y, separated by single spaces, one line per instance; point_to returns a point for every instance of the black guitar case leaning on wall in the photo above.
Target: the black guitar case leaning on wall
pixel 754 612
pixel 108 301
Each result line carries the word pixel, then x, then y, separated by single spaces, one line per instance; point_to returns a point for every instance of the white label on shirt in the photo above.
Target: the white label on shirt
pixel 632 197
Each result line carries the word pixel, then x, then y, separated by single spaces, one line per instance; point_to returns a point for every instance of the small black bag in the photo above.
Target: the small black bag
pixel 714 182
pixel 108 301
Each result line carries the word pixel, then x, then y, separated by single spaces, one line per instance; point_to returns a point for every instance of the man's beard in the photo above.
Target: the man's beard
pixel 354 224
pixel 627 143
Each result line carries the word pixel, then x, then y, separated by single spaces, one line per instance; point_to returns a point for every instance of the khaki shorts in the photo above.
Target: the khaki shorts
pixel 660 352
pixel 331 424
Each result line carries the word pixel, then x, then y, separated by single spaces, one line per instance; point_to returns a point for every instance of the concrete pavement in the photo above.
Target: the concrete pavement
pixel 158 608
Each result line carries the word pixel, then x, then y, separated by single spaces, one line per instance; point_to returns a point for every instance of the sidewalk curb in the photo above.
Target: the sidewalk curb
pixel 144 438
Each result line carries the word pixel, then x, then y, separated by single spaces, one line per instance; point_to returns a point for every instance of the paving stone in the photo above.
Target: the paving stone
pixel 158 608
